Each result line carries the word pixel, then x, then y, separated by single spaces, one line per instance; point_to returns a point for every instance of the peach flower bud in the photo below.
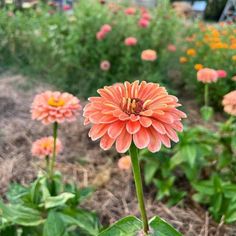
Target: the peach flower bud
pixel 124 163
pixel 149 55
pixel 105 65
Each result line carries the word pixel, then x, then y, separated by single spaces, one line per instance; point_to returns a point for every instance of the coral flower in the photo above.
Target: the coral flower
pixel 100 35
pixel 44 147
pixel 221 73
pixel 143 23
pixel 124 163
pixel 198 67
pixel 130 11
pixel 149 55
pixel 105 65
pixel 130 41
pixel 229 103
pixel 143 113
pixel 234 78
pixel 106 28
pixel 183 60
pixel 50 107
pixel 207 75
pixel 171 48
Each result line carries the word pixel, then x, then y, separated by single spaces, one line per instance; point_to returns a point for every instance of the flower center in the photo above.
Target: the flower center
pixel 132 105
pixel 56 102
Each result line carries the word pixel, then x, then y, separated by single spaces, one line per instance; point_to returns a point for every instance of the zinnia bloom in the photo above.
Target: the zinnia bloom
pixel 234 58
pixel 149 55
pixel 143 113
pixel 191 52
pixel 171 48
pixel 146 16
pixel 100 35
pixel 234 78
pixel 221 73
pixel 130 11
pixel 106 28
pixel 143 23
pixel 50 107
pixel 124 163
pixel 183 60
pixel 130 41
pixel 105 65
pixel 229 103
pixel 44 147
pixel 198 67
pixel 207 75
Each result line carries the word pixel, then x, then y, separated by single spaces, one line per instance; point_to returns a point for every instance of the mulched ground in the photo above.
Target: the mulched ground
pixel 84 162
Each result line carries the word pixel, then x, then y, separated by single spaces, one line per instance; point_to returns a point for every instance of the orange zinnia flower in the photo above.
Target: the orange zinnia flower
pixel 140 112
pixel 50 107
pixel 229 103
pixel 44 147
pixel 191 52
pixel 198 67
pixel 183 60
pixel 207 75
pixel 149 55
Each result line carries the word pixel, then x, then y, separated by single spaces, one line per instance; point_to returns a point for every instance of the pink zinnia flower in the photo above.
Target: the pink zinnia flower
pixel 130 41
pixel 143 23
pixel 106 28
pixel 171 48
pixel 229 103
pixel 44 147
pixel 149 55
pixel 146 16
pixel 130 11
pixel 66 7
pixel 207 75
pixel 143 113
pixel 105 65
pixel 100 35
pixel 50 107
pixel 221 73
pixel 124 163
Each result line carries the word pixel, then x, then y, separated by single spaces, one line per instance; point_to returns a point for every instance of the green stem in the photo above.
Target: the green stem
pixel 47 163
pixel 55 128
pixel 206 92
pixel 138 184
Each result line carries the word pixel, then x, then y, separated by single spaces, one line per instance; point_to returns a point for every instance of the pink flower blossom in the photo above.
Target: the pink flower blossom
pixel 130 11
pixel 100 35
pixel 106 28
pixel 105 65
pixel 221 73
pixel 143 23
pixel 171 48
pixel 130 41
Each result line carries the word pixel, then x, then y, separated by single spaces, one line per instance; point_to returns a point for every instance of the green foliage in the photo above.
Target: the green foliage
pixel 47 207
pixel 63 49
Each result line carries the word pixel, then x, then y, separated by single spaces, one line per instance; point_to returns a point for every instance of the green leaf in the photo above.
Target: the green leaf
pixel 54 225
pixel 150 169
pixel 128 226
pixel 160 227
pixel 15 192
pixel 176 160
pixel 21 215
pixel 9 231
pixel 189 153
pixel 59 200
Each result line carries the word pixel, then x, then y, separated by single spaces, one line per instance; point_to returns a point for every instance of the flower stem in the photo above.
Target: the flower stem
pixel 206 92
pixel 138 185
pixel 55 128
pixel 47 164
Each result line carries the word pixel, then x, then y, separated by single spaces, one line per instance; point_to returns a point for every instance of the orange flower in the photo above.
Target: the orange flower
pixel 234 57
pixel 44 147
pixel 191 52
pixel 229 103
pixel 124 163
pixel 143 113
pixel 198 67
pixel 50 107
pixel 183 60
pixel 207 75
pixel 149 55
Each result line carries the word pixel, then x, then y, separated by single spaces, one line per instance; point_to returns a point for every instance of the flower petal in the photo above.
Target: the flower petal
pixel 145 121
pixel 123 142
pixel 106 142
pixel 133 127
pixel 141 139
pixel 115 129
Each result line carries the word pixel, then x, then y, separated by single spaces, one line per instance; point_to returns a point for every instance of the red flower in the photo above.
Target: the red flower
pixel 130 41
pixel 143 23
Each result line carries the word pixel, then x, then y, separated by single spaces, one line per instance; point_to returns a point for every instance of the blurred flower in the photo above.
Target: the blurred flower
pixel 143 23
pixel 234 57
pixel 130 41
pixel 50 107
pixel 191 52
pixel 207 75
pixel 143 113
pixel 198 67
pixel 221 73
pixel 149 55
pixel 183 60
pixel 234 78
pixel 124 163
pixel 229 103
pixel 105 65
pixel 171 48
pixel 146 16
pixel 44 147
pixel 100 35
pixel 66 8
pixel 130 11
pixel 72 18
pixel 10 14
pixel 106 28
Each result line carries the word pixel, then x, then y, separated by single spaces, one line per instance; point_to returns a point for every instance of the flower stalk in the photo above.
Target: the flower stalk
pixel 55 128
pixel 138 185
pixel 206 92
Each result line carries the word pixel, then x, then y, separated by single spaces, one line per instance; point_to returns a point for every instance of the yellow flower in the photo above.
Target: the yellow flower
pixel 198 67
pixel 191 52
pixel 183 60
pixel 234 57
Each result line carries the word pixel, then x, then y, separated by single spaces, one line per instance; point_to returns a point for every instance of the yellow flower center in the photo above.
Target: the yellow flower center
pixel 56 102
